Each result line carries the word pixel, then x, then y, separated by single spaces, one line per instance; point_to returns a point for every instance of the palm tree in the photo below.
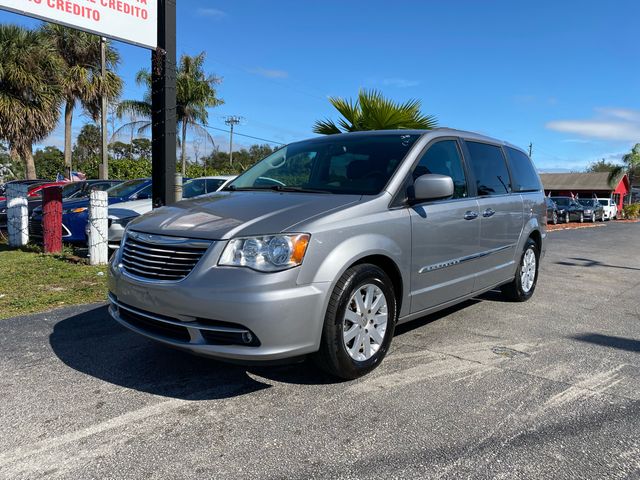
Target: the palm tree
pixel 631 164
pixel 30 95
pixel 195 93
pixel 372 111
pixel 82 80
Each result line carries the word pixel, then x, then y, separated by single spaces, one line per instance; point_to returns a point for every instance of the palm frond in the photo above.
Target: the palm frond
pixel 372 111
pixel 325 127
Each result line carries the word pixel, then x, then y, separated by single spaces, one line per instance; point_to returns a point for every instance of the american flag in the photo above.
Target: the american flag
pixel 75 177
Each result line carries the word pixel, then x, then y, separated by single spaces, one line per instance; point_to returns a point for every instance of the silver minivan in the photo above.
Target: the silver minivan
pixel 326 245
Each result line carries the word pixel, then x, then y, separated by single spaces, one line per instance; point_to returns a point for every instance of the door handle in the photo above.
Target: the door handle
pixel 488 212
pixel 470 215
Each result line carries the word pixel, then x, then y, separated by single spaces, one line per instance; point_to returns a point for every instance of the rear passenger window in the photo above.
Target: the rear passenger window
pixel 525 177
pixel 444 158
pixel 489 168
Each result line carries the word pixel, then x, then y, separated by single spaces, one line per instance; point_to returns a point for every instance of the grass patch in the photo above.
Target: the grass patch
pixel 31 281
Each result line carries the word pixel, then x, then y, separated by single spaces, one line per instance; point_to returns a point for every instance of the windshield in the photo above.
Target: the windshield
pixel 360 165
pixel 604 202
pixel 126 189
pixel 72 189
pixel 561 201
pixel 586 201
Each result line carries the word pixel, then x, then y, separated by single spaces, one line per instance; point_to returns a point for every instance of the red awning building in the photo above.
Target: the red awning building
pixel 586 185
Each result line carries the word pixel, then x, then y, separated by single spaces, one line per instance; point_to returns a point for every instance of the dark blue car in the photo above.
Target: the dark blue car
pixel 75 212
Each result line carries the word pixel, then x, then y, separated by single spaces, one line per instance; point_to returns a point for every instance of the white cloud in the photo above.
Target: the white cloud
pixel 269 73
pixel 617 124
pixel 211 12
pixel 399 82
pixel 622 113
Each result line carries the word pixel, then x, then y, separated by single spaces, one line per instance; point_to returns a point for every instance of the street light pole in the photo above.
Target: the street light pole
pixel 105 153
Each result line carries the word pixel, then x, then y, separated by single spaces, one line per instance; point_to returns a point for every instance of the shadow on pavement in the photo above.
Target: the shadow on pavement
pixel 620 343
pixel 587 262
pixel 96 345
pixel 427 319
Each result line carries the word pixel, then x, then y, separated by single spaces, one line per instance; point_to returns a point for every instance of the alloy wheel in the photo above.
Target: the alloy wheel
pixel 365 322
pixel 528 270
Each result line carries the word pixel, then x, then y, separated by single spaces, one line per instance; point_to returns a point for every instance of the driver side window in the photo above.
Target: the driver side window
pixel 444 158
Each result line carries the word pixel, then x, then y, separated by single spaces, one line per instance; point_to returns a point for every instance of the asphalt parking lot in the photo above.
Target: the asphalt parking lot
pixel 545 389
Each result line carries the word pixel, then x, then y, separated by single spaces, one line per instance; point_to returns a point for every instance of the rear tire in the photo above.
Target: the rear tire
pixel 521 288
pixel 346 351
pixel 567 218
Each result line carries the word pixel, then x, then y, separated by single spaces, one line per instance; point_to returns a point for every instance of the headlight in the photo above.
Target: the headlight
pixel 75 210
pixel 587 211
pixel 268 253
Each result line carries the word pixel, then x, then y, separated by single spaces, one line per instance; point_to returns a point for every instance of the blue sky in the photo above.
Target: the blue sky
pixel 563 75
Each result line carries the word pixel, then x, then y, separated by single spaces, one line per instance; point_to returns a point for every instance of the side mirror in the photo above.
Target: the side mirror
pixel 432 186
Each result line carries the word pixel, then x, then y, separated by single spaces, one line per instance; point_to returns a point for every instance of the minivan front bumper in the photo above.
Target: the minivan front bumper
pixel 223 312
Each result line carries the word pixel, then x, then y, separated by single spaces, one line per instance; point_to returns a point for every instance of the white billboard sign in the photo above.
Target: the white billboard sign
pixel 132 21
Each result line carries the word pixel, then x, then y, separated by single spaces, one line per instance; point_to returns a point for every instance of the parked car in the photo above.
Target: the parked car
pixel 593 210
pixel 325 245
pixel 34 198
pixel 75 214
pixel 610 208
pixel 569 209
pixel 3 187
pixel 552 211
pixel 121 214
pixel 203 185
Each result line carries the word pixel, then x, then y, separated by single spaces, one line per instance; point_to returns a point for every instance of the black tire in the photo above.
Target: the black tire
pixel 581 217
pixel 333 356
pixel 593 217
pixel 513 291
pixel 567 218
pixel 554 218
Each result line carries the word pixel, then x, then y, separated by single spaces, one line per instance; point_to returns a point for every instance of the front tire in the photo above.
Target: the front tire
pixel 554 218
pixel 521 288
pixel 359 323
pixel 581 217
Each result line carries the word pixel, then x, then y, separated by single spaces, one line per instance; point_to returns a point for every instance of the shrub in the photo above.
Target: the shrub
pixel 631 211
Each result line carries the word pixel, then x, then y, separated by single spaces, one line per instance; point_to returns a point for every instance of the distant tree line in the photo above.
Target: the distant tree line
pixel 129 160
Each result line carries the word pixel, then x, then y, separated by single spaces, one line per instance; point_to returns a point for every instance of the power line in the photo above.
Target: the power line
pixel 241 134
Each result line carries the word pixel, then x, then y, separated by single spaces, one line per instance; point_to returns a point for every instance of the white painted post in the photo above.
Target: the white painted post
pixel 98 228
pixel 178 186
pixel 17 214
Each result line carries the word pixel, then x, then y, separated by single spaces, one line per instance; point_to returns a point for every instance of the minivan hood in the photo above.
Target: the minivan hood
pixel 225 215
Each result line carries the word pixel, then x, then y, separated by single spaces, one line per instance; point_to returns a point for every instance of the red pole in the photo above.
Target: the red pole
pixel 52 219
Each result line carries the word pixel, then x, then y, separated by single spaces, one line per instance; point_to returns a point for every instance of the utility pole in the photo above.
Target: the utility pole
pixel 231 121
pixel 163 111
pixel 103 99
pixel 530 148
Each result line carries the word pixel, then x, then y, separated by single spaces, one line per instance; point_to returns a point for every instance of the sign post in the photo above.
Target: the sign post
pixel 163 107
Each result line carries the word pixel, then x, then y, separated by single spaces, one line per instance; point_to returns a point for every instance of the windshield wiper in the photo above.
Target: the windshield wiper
pixel 277 188
pixel 285 188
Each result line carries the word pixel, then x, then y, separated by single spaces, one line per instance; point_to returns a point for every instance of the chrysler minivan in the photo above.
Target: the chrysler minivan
pixel 328 244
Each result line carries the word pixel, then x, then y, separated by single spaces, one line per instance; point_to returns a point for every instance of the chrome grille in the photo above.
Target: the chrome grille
pixel 158 257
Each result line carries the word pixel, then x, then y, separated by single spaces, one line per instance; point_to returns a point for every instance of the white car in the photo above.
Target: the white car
pixel 610 208
pixel 121 214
